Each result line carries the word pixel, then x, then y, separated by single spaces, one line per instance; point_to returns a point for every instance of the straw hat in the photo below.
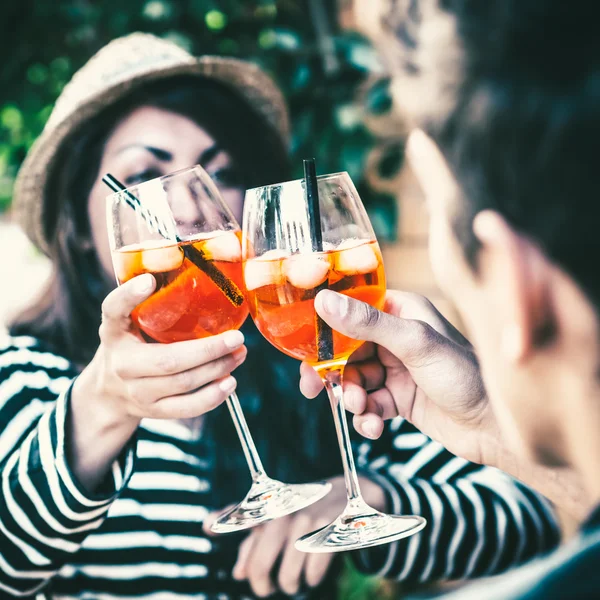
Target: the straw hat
pixel 111 74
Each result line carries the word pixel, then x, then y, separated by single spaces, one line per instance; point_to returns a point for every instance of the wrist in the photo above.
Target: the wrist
pixel 101 412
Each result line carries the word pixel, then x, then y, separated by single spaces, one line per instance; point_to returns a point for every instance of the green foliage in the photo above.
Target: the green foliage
pixel 354 586
pixel 318 67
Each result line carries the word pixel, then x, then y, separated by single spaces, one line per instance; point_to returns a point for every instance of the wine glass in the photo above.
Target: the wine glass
pixel 178 228
pixel 284 269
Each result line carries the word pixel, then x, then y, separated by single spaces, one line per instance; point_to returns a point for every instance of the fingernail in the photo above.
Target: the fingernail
pixel 233 339
pixel 334 304
pixel 144 283
pixel 371 429
pixel 228 385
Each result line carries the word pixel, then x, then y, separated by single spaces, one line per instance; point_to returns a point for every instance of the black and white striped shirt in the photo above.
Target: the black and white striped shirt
pixel 142 537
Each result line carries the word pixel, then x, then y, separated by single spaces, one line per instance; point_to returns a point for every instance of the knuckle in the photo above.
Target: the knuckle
pixel 166 361
pixel 184 381
pixel 120 367
pixel 425 340
pixel 103 332
pixel 366 316
pixel 109 308
pixel 136 394
pixel 213 349
pixel 422 301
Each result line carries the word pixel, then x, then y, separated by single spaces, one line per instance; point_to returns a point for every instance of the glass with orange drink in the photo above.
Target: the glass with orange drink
pixel 301 237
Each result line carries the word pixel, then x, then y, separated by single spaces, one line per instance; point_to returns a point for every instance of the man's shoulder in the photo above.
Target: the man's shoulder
pixel 576 576
pixel 573 571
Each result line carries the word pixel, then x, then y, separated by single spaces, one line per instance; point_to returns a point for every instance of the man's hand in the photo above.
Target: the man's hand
pixel 272 544
pixel 415 365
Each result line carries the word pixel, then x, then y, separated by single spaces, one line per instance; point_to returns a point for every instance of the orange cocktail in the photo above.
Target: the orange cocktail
pixel 187 304
pixel 282 288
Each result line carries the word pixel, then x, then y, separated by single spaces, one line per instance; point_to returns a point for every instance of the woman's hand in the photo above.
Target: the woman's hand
pixel 129 379
pixel 273 543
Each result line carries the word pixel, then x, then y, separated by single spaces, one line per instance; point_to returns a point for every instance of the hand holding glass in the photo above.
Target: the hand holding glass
pixel 179 229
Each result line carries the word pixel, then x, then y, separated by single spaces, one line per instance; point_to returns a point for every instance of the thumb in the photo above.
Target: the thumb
pixel 119 304
pixel 409 340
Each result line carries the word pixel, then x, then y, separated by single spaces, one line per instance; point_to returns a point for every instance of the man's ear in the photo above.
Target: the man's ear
pixel 514 273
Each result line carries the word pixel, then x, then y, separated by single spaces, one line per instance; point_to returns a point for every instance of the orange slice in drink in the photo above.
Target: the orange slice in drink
pixel 165 307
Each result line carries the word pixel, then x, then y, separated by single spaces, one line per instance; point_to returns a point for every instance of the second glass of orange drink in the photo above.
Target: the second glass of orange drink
pixel 301 237
pixel 178 228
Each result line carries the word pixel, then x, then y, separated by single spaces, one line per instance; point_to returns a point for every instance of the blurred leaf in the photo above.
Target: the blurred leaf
pixel 266 11
pixel 61 66
pixel 158 10
pixel 215 20
pixel 11 118
pixel 37 74
pixel 277 34
pixel 228 46
pixel 267 39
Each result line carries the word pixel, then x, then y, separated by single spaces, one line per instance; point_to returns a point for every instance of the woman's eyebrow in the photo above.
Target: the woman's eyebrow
pixel 209 154
pixel 158 153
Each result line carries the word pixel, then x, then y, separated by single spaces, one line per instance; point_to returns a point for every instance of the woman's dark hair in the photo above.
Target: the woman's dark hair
pixel 67 317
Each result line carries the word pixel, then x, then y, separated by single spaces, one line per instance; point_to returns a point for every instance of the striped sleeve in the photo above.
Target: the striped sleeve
pixel 45 514
pixel 479 520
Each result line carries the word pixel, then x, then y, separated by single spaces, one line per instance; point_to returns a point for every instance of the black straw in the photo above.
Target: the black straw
pixel 324 333
pixel 229 288
pixel 312 199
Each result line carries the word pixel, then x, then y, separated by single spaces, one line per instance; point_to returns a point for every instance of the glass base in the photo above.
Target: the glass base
pixel 269 499
pixel 360 529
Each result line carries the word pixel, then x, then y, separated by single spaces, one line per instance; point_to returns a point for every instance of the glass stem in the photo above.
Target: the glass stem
pixel 257 470
pixel 333 385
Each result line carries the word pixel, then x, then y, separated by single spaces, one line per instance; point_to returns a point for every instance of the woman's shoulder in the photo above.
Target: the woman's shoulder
pixel 25 353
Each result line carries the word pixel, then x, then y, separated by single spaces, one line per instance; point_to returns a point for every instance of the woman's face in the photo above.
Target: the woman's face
pixel 148 143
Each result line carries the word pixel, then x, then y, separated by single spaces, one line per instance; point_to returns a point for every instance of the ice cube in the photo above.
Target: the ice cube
pixel 307 271
pixel 162 260
pixel 356 257
pixel 127 265
pixel 224 246
pixel 265 270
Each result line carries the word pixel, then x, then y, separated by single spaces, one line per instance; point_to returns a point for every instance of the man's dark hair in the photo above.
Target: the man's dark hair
pixel 521 131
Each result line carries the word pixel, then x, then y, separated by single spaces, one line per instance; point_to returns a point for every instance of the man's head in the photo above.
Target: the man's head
pixel 508 93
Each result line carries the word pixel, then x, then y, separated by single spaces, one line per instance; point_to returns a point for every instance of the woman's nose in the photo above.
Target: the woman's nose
pixel 184 206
